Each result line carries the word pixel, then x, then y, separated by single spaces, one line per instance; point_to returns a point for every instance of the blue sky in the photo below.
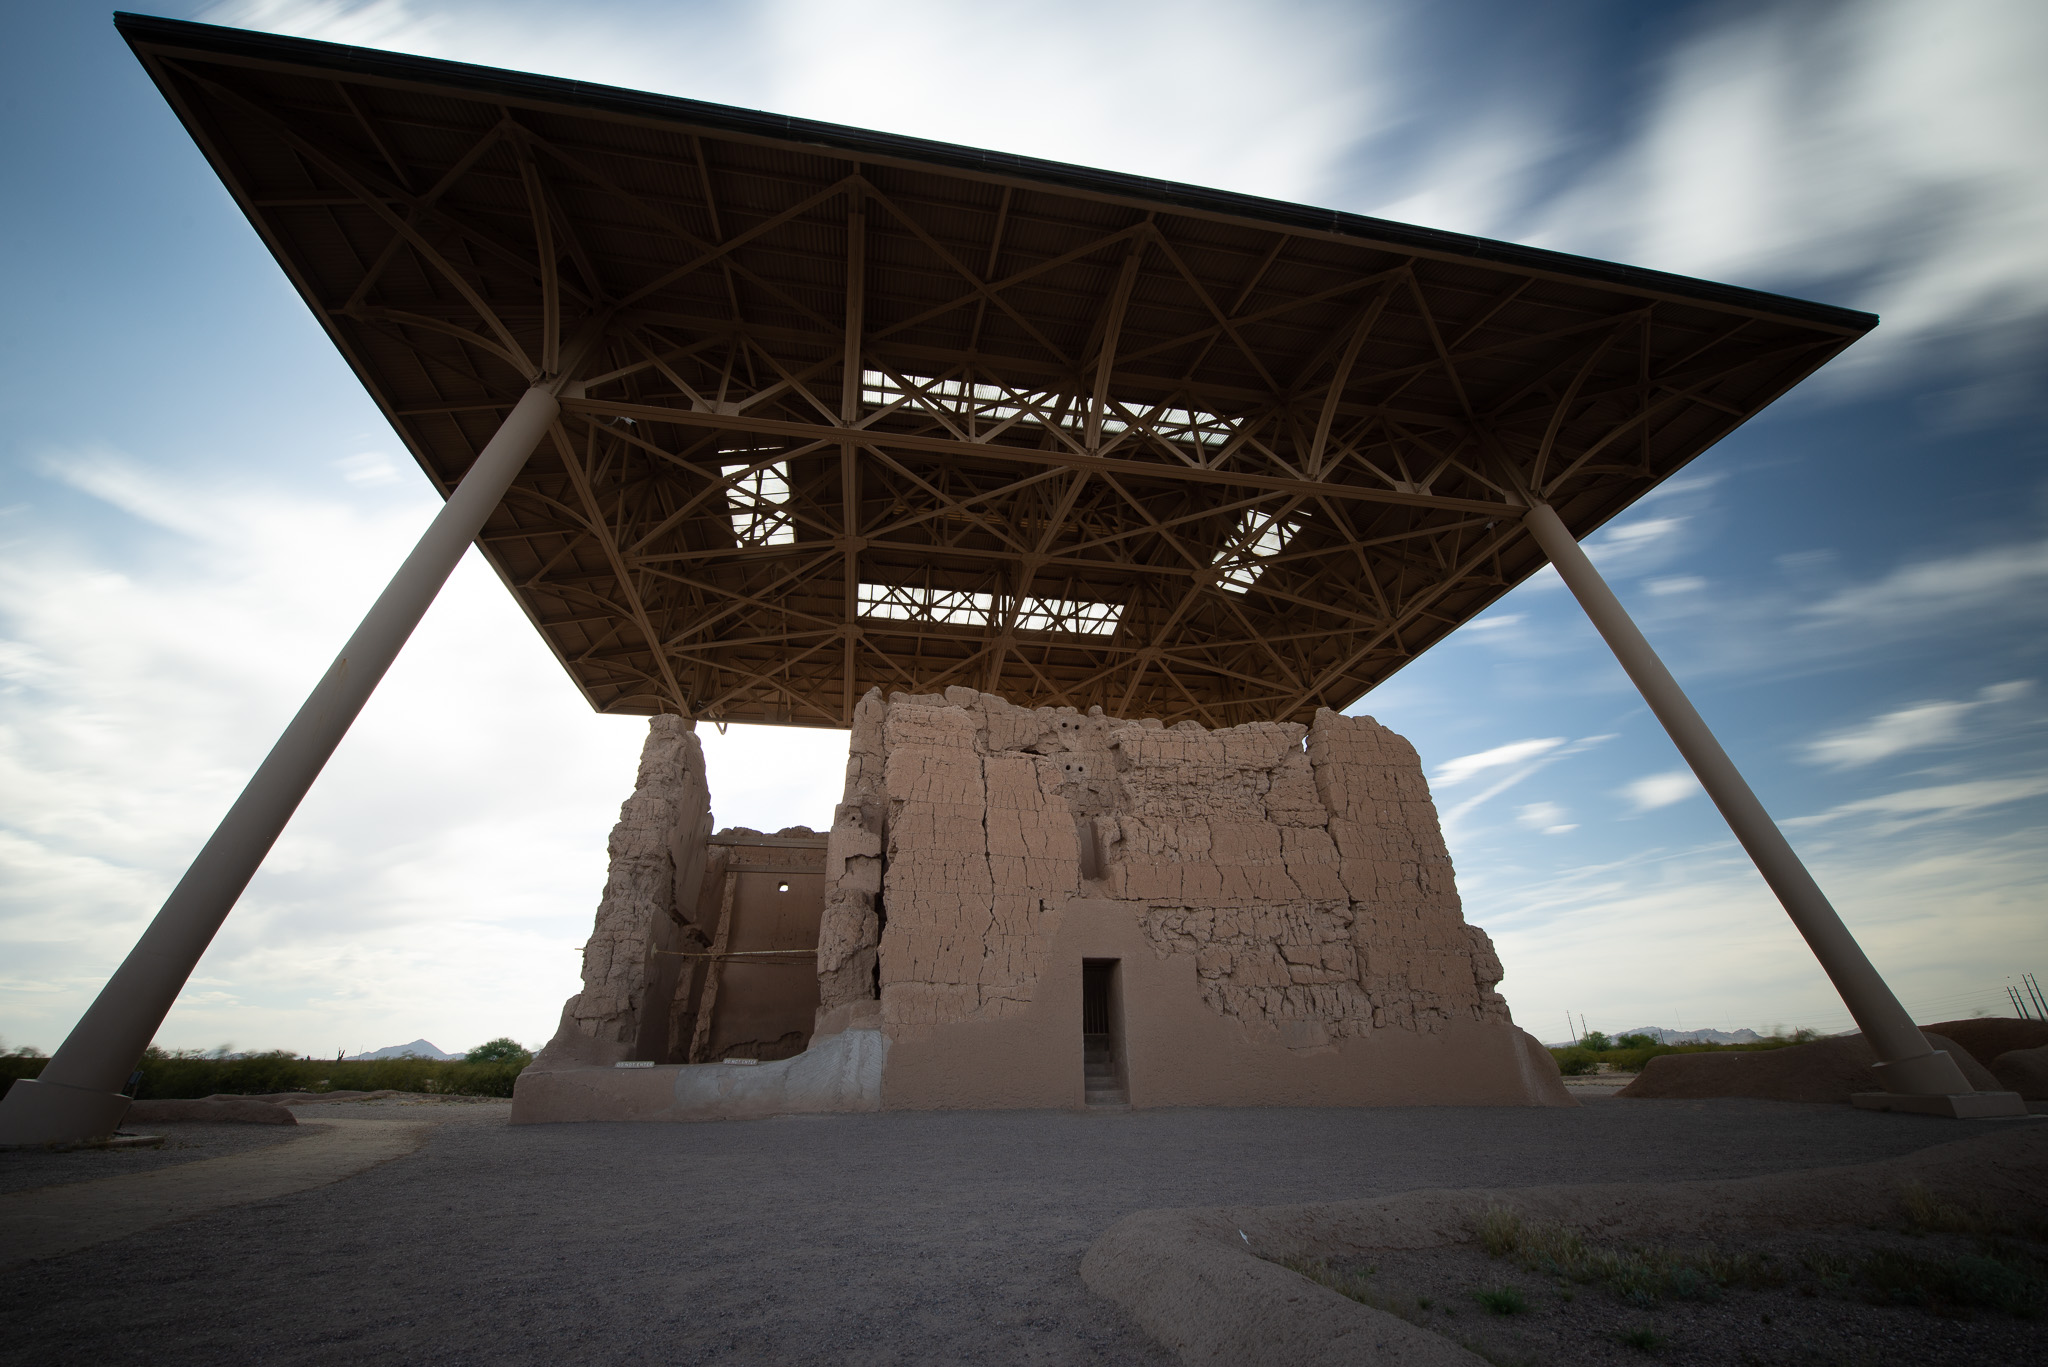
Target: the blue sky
pixel 197 502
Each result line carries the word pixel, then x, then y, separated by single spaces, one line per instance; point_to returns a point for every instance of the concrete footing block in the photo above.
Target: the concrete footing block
pixel 36 1113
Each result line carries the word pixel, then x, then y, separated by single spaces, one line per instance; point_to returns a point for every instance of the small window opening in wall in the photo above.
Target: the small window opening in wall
pixel 1101 1043
pixel 782 887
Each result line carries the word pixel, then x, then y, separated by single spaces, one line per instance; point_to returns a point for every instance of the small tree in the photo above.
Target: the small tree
pixel 1634 1042
pixel 1596 1042
pixel 503 1049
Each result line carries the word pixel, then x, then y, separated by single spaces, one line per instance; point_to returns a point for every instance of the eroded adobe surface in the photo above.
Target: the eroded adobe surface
pixel 649 909
pixel 1301 867
pixel 1298 871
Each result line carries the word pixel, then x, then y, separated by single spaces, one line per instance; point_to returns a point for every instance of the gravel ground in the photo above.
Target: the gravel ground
pixel 906 1237
pixel 184 1142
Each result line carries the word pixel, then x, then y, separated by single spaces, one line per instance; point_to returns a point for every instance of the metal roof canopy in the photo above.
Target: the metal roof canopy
pixel 852 409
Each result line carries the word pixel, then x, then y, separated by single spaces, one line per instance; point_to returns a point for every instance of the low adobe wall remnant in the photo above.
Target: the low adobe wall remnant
pixel 1272 904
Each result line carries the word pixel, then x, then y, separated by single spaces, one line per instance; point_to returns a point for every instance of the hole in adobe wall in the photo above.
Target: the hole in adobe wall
pixel 782 887
pixel 881 923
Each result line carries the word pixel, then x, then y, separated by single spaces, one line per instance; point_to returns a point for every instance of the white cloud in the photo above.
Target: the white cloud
pixel 1634 533
pixel 1695 936
pixel 1909 728
pixel 370 468
pixel 1546 817
pixel 1886 153
pixel 1997 577
pixel 1515 752
pixel 1231 96
pixel 1940 800
pixel 1653 791
pixel 1500 623
pixel 440 873
pixel 1684 583
pixel 1919 727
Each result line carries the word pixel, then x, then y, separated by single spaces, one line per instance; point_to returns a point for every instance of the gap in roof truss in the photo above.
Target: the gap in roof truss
pixel 759 500
pixel 986 409
pixel 967 608
pixel 1258 538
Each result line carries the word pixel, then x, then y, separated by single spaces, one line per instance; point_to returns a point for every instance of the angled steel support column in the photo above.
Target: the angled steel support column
pixel 1910 1069
pixel 77 1096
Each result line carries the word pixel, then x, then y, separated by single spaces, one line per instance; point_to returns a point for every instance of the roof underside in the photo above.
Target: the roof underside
pixel 851 410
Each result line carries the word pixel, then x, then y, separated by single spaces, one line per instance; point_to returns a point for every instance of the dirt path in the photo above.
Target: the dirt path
pixel 47 1221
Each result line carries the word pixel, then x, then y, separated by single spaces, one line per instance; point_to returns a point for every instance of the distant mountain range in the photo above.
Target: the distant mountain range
pixel 1667 1036
pixel 419 1048
pixel 1663 1036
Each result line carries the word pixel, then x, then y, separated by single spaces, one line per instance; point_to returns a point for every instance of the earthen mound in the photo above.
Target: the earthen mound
pixel 1825 1070
pixel 1989 1036
pixel 2024 1071
pixel 238 1109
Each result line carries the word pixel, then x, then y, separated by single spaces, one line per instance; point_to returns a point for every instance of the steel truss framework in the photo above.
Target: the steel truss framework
pixel 1113 441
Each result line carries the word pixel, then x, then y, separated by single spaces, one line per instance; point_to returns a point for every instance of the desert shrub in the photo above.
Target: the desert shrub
pixel 1642 1276
pixel 168 1075
pixel 20 1063
pixel 1502 1299
pixel 500 1050
pixel 1631 1060
pixel 181 1074
pixel 1596 1042
pixel 1945 1285
pixel 1643 1338
pixel 1626 1057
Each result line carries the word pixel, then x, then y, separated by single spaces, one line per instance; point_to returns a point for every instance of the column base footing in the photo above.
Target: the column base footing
pixel 1966 1106
pixel 37 1113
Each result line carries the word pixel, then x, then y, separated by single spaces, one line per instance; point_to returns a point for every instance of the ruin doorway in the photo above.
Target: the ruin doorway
pixel 760 993
pixel 1102 1061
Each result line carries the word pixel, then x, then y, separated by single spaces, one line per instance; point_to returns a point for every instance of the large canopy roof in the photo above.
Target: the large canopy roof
pixel 850 409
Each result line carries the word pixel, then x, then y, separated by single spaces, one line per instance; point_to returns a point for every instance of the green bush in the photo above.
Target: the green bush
pixel 182 1074
pixel 169 1075
pixel 500 1050
pixel 1626 1056
pixel 20 1063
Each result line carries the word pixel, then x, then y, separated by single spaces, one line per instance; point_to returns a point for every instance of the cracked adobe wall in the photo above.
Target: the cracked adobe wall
pixel 1300 892
pixel 650 904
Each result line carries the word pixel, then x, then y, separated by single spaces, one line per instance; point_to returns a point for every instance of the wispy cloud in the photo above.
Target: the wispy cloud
pixel 1234 97
pixel 1653 791
pixel 1696 932
pixel 2012 576
pixel 1888 150
pixel 1514 752
pixel 1546 817
pixel 1940 800
pixel 1919 727
pixel 369 468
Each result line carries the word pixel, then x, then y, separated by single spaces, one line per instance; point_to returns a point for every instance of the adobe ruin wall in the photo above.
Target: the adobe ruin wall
pixel 1302 869
pixel 1278 896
